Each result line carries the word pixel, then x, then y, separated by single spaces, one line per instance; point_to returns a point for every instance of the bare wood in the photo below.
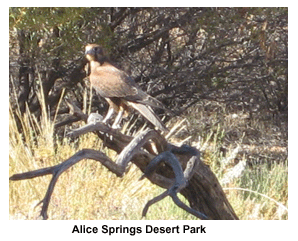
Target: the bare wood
pixel 76 114
pixel 181 180
pixel 137 143
pixel 57 170
pixel 183 171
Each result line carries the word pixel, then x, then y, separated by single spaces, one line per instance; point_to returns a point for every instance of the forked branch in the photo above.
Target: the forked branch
pixel 57 170
pixel 182 170
pixel 181 181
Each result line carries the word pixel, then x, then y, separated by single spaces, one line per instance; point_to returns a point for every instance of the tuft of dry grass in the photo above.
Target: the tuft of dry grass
pixel 88 191
pixel 249 157
pixel 85 191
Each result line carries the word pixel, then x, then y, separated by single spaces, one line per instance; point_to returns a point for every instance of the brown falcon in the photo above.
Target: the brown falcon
pixel 119 89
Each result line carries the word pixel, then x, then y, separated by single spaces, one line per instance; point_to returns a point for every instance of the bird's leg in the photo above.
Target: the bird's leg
pixel 108 115
pixel 116 124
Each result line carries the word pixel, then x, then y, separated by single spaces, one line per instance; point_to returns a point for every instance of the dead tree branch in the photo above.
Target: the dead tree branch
pixel 181 180
pixel 177 169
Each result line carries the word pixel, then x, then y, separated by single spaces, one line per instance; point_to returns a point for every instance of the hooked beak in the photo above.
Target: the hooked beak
pixel 89 52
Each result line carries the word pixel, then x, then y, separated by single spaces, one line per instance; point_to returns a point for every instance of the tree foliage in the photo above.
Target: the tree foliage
pixel 238 56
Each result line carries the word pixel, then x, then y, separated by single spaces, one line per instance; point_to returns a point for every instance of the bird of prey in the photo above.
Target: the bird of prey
pixel 119 89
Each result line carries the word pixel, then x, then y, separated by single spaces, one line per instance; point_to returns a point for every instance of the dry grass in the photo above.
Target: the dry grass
pixel 89 191
pixel 85 191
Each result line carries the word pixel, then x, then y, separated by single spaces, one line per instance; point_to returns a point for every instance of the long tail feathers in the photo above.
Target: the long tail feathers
pixel 145 99
pixel 149 115
pixel 151 101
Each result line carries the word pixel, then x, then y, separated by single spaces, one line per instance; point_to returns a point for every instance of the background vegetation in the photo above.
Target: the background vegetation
pixel 224 70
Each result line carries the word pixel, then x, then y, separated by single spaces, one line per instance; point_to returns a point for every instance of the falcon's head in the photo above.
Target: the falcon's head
pixel 94 52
